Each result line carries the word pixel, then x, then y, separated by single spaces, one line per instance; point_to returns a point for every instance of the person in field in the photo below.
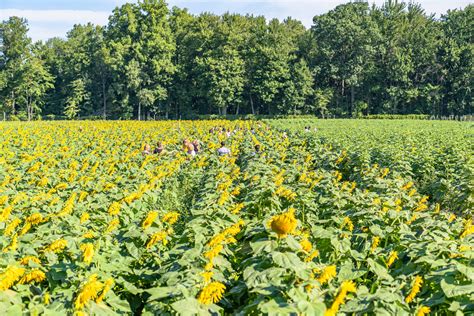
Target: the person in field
pixel 223 150
pixel 257 150
pixel 197 146
pixel 159 148
pixel 189 148
pixel 146 150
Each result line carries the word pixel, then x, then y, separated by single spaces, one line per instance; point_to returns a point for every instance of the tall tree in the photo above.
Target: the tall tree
pixel 140 39
pixel 36 80
pixel 457 58
pixel 223 72
pixel 14 51
pixel 345 51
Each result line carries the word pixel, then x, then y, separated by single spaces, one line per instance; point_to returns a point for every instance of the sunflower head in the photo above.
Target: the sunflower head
pixel 211 293
pixel 284 224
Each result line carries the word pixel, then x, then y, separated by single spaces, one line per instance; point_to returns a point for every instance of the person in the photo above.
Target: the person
pixel 159 148
pixel 223 150
pixel 188 147
pixel 257 150
pixel 196 146
pixel 146 150
pixel 307 129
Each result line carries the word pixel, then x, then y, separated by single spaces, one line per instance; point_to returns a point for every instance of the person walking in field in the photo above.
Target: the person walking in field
pixel 257 150
pixel 146 150
pixel 189 148
pixel 196 146
pixel 159 148
pixel 223 150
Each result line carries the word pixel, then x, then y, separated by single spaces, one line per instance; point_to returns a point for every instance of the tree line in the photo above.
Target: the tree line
pixel 154 61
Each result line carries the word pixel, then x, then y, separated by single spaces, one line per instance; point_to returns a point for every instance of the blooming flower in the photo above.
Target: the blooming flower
pixel 306 245
pixel 211 293
pixel 170 217
pixel 328 273
pixel 35 275
pixel 391 258
pixel 375 243
pixel 57 246
pixel 346 287
pixel 150 218
pixel 107 286
pixel 423 310
pixel 10 276
pixel 114 208
pixel 25 260
pixel 156 237
pixel 87 252
pixel 415 289
pixel 284 224
pixel 88 292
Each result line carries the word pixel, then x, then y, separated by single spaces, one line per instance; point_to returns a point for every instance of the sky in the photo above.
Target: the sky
pixel 51 18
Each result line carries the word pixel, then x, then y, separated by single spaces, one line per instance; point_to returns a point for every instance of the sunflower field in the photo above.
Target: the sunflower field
pixel 356 217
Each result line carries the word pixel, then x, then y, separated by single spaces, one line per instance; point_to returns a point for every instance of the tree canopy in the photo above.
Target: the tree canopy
pixel 154 61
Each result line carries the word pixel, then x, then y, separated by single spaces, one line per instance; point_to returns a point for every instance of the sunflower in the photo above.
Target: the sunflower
pixel 284 224
pixel 211 293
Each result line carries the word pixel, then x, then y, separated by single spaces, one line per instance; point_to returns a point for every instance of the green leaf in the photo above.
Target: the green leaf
pixel 453 290
pixel 379 270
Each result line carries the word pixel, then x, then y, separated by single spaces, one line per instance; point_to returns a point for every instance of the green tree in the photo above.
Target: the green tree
pixel 345 51
pixel 14 51
pixel 224 76
pixel 78 97
pixel 298 90
pixel 140 40
pixel 36 80
pixel 456 56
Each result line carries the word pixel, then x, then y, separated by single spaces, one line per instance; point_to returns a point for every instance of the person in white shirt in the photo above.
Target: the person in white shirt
pixel 223 150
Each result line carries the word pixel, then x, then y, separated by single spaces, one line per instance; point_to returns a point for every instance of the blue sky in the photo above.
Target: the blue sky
pixel 49 18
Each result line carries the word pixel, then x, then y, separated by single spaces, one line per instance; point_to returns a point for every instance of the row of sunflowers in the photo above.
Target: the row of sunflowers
pixel 91 226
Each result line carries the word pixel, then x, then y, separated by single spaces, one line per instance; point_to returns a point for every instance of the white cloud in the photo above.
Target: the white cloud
pixel 58 16
pixel 49 23
pixel 44 24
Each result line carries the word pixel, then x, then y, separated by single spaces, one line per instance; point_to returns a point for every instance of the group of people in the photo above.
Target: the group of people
pixel 191 148
pixel 160 148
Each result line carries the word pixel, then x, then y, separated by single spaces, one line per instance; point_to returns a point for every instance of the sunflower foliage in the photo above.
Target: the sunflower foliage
pixel 311 224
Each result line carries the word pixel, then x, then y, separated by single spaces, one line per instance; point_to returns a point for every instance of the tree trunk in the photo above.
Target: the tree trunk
pixel 368 105
pixel 224 110
pixel 104 97
pixel 352 99
pixel 28 110
pixel 139 110
pixel 238 108
pixel 13 102
pixel 251 104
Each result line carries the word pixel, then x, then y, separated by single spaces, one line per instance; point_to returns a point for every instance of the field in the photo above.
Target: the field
pixel 357 217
